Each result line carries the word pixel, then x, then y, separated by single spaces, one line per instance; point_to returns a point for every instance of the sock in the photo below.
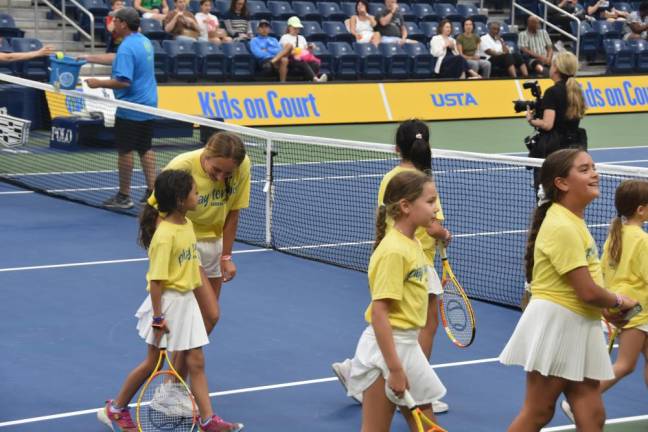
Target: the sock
pixel 114 408
pixel 205 422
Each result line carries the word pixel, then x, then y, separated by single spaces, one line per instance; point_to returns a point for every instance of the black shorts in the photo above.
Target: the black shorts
pixel 133 135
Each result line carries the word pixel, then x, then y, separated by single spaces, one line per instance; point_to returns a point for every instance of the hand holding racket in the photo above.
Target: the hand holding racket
pixel 423 423
pixel 457 313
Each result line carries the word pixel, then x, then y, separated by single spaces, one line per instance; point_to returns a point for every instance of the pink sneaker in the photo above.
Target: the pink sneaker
pixel 118 421
pixel 217 424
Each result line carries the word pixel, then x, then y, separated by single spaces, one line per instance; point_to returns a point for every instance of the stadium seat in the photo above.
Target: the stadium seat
pixel 372 62
pixel 513 47
pixel 322 53
pixel 5 47
pixel 608 30
pixel 429 29
pixel 312 31
pixel 348 8
pixel 480 28
pixel 183 61
pixel 406 12
pixel 620 56
pixel 346 63
pixel 376 9
pixel 8 27
pixel 507 34
pixel 415 32
pixel 220 7
pixel 640 48
pixel 590 40
pixel 241 63
pixel 281 10
pixel 472 12
pixel 212 63
pixel 623 6
pixel 331 11
pixel 421 61
pixel 337 32
pixel 100 10
pixel 397 61
pixel 457 28
pixel 425 12
pixel 194 6
pixel 447 11
pixel 258 10
pixel 278 28
pixel 160 62
pixel 153 30
pixel 35 69
pixel 307 11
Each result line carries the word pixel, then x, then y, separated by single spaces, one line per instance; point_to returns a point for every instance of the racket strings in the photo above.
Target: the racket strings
pixel 457 314
pixel 166 406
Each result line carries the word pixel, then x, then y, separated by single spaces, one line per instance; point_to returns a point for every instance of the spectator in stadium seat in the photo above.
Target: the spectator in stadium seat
pixel 361 25
pixel 563 21
pixel 237 21
pixel 110 27
pixel 181 23
pixel 536 44
pixel 603 10
pixel 638 23
pixel 468 46
pixel 449 63
pixel 22 56
pixel 499 55
pixel 152 9
pixel 299 64
pixel 272 58
pixel 391 25
pixel 208 24
pixel 133 80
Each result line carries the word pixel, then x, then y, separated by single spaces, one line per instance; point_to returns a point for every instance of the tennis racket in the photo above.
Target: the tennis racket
pixel 457 313
pixel 164 401
pixel 423 422
pixel 613 332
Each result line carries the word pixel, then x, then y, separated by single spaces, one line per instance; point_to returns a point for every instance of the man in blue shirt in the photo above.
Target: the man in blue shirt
pixel 133 80
pixel 268 52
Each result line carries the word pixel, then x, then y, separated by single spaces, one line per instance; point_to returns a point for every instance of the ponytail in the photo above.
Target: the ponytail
pixel 536 222
pixel 421 156
pixel 147 224
pixel 576 106
pixel 381 224
pixel 413 143
pixel 616 244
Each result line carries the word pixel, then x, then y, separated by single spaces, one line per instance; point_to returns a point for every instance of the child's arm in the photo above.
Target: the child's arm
pixel 397 380
pixel 156 301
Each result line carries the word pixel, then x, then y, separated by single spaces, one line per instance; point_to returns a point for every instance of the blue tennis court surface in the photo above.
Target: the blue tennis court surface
pixel 72 277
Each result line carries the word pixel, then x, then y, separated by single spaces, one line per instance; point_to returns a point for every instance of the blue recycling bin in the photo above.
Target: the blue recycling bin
pixel 64 72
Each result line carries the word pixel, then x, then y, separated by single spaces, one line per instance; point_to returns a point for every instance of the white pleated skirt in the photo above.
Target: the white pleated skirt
pixel 554 341
pixel 183 317
pixel 368 364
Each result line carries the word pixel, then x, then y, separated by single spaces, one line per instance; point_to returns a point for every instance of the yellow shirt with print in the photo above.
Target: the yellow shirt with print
pixel 428 242
pixel 630 276
pixel 564 244
pixel 213 206
pixel 398 271
pixel 173 257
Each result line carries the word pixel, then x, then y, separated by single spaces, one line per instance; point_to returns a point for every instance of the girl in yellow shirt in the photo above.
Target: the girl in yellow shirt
pixel 625 270
pixel 170 316
pixel 388 355
pixel 559 340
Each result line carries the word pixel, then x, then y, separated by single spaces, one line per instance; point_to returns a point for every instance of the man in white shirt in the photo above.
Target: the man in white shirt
pixel 498 53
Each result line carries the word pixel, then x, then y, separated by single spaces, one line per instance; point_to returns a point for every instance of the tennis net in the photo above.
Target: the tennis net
pixel 315 197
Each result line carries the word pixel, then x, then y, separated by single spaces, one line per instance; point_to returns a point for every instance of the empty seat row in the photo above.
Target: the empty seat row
pixel 626 56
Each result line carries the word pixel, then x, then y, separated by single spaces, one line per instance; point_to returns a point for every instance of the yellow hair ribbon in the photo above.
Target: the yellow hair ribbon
pixel 153 203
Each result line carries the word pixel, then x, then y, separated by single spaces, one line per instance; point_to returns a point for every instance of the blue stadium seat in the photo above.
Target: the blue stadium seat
pixel 447 11
pixel 457 28
pixel 194 6
pixel 258 10
pixel 307 11
pixel 221 7
pixel 397 61
pixel 100 10
pixel 153 30
pixel 407 12
pixel 346 63
pixel 513 47
pixel 376 9
pixel 532 5
pixel 422 62
pixel 160 62
pixel 278 28
pixel 472 12
pixel 281 9
pixel 183 61
pixel 620 56
pixel 425 12
pixel 507 34
pixel 337 32
pixel 590 40
pixel 429 29
pixel 8 27
pixel 212 63
pixel 322 53
pixel 5 47
pixel 623 6
pixel 480 28
pixel 331 11
pixel 640 48
pixel 348 8
pixel 35 69
pixel 372 62
pixel 415 32
pixel 312 31
pixel 608 30
pixel 241 63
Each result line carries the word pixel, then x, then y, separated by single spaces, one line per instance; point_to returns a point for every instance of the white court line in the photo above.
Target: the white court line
pixel 91 263
pixel 16 192
pixel 234 391
pixel 607 422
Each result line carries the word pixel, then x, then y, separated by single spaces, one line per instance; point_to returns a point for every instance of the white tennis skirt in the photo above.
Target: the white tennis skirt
pixel 434 283
pixel 368 364
pixel 554 341
pixel 183 317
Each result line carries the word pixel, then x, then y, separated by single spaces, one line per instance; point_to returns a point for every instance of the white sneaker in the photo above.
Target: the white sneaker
pixel 322 78
pixel 342 371
pixel 564 405
pixel 439 407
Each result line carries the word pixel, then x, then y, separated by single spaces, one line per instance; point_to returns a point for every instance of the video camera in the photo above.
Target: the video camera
pixel 536 92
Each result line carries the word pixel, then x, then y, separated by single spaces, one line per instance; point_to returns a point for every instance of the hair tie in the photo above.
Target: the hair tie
pixel 152 201
pixel 382 206
pixel 624 220
pixel 542 197
pixel 419 136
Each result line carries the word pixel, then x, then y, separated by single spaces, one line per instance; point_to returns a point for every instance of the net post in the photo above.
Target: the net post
pixel 268 191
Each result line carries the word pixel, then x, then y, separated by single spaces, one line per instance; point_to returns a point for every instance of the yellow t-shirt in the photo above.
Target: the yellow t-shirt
pixel 564 244
pixel 630 276
pixel 173 257
pixel 213 207
pixel 398 271
pixel 428 242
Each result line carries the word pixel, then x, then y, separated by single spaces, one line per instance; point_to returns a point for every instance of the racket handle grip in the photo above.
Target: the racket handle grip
pixel 409 400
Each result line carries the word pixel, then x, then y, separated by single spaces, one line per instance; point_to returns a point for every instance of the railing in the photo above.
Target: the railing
pixel 546 23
